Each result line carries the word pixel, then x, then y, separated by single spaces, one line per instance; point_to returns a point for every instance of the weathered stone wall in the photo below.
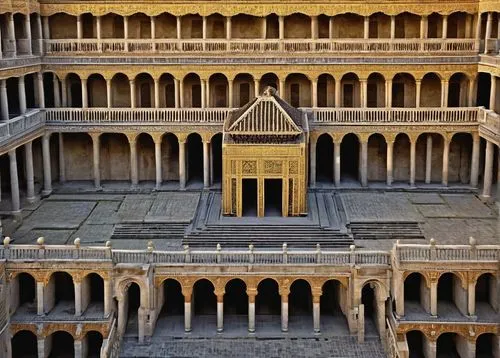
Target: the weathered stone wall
pixel 401 157
pixel 297 26
pixel 115 156
pixel 376 158
pixel 246 27
pixel 146 157
pixel 62 26
pixel 348 26
pixel 78 156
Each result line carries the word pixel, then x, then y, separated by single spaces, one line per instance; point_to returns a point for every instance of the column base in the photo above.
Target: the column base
pixel 46 193
pixel 31 199
pixel 187 331
pixel 251 331
pixel 317 332
pixel 16 213
pixel 220 330
pixel 98 188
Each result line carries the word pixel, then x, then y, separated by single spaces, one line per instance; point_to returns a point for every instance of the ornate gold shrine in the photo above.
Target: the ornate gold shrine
pixel 264 149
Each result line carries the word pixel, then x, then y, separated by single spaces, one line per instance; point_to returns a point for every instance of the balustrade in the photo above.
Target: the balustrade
pixel 21 124
pixel 403 46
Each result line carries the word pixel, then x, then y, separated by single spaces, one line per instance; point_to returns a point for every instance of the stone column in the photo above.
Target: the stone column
pixel 108 93
pixel 182 164
pixel 471 299
pixel 281 20
pixel 428 160
pixel 390 161
pixel 487 35
pixel 108 297
pixel 444 93
pixel 27 30
pixel 79 27
pixel 423 26
pixel 204 95
pixel 256 86
pixel 4 100
pixel 157 93
pixel 178 28
pixel 30 178
pixel 12 33
pixel 57 93
pixel 122 315
pixel 312 158
pixel 284 312
pixel 434 298
pixel 230 102
pixel 477 32
pixel 64 94
pixel 158 169
pixel 446 160
pixel 366 29
pixel 493 89
pixel 488 169
pixel 314 92
pixel 364 92
pixel 338 94
pixel 474 171
pixel 336 160
pixel 228 28
pixel 125 32
pixel 78 297
pixel 96 159
pixel 62 166
pixel 47 173
pixel 153 32
pixel 364 162
pixel 204 27
pixel 40 308
pixel 314 27
pixel 393 27
pixel 282 88
pixel 134 174
pixel 1 38
pixel 471 96
pixel 46 27
pixel 220 313
pixel 14 182
pixel 413 161
pixel 176 93
pixel 388 93
pixel 251 311
pixel 418 84
pixel 41 347
pixel 316 312
pixel 132 93
pixel 263 27
pixel 445 27
pixel 78 347
pixel 187 313
pixel 85 101
pixel 41 92
pixel 206 164
pixel 22 94
pixel 98 30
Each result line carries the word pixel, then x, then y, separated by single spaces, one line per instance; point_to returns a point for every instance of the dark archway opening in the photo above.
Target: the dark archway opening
pixel 268 305
pixel 194 158
pixel 64 291
pixel 483 90
pixel 94 344
pixel 446 346
pixel 27 289
pixel 349 158
pixel 173 299
pixel 235 298
pixel 216 144
pixel 368 301
pixel 484 345
pixel 62 345
pixel 204 299
pixel 24 345
pixel 134 302
pixel 324 159
pixel 415 341
pixel 249 195
pixel 273 194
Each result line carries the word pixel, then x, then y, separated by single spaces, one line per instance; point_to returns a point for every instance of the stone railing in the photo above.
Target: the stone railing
pixel 21 124
pixel 491 121
pixel 187 256
pixel 457 253
pixel 342 46
pixel 137 115
pixel 395 115
pixel 391 343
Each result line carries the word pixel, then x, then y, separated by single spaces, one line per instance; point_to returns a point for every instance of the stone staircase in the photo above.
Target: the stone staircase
pixel 321 226
pixel 385 230
pixel 148 230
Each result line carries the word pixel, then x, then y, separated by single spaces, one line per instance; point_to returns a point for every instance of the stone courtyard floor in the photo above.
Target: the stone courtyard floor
pixel 449 217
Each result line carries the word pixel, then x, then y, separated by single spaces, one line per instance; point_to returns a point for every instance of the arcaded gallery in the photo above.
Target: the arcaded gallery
pixel 267 179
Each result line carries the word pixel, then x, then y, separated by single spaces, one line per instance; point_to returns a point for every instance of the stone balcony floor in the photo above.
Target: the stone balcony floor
pixel 448 312
pixel 62 311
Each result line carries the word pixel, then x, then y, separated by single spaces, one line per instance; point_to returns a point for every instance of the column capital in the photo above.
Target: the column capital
pixel 390 137
pixel 132 137
pixel 157 137
pixel 94 135
pixel 363 137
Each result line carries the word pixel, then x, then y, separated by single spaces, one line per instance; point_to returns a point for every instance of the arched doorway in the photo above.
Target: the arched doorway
pixel 270 80
pixel 298 90
pixel 144 90
pixel 171 317
pixel 349 158
pixel 485 346
pixel 146 157
pixel 401 158
pixel 133 302
pixel 451 297
pixel 115 152
pixel 219 86
pixel 460 158
pixel 62 346
pixel 324 159
pixel 96 91
pixel 326 90
pixel 235 306
pixel 300 305
pixel 95 297
pixel 430 91
pixel 170 157
pixel 93 341
pixel 415 340
pixel 216 158
pixel 24 345
pixel 268 306
pixel 205 304
pixel 26 293
pixel 120 91
pixel 194 155
pixel 332 301
pixel 243 89
pixel 377 158
pixel 403 91
pixel 446 346
pixel 64 292
pixel 192 91
pixel 415 294
pixel 375 91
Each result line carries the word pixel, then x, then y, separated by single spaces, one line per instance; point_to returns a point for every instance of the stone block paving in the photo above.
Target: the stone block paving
pixel 135 207
pixel 173 207
pixel 341 347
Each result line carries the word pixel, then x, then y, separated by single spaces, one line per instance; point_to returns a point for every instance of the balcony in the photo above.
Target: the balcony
pixel 69 47
pixel 21 125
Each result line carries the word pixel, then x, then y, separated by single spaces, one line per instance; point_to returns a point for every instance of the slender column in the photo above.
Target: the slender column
pixel 471 299
pixel 487 35
pixel 30 178
pixel 181 93
pixel 46 27
pixel 108 297
pixel 428 160
pixel 220 313
pixel 134 175
pixel 157 93
pixel 264 28
pixel 14 182
pixel 125 32
pixel 182 164
pixel 390 162
pixel 316 313
pixel 4 100
pixel 251 311
pixel 41 92
pixel 176 92
pixel 79 27
pixel 336 159
pixel 413 156
pixel 22 94
pixel 281 20
pixel 204 28
pixel 132 93
pixel 85 100
pixel 364 92
pixel 472 93
pixel 1 38
pixel 207 93
pixel 158 162
pixel 364 162
pixel 47 174
pixel 96 159
pixel 108 93
pixel 393 26
pixel 418 92
pixel 488 169
pixel 230 102
pixel 338 97
pixel 366 30
pixel 121 315
pixel 330 27
pixel 98 30
pixel 27 30
pixel 178 28
pixel 477 32
pixel 78 297
pixel 314 93
pixel 206 164
pixel 62 166
pixel 284 312
pixel 12 33
pixel 444 93
pixel 434 298
pixel 282 88
pixel 256 84
pixel 314 27
pixel 424 20
pixel 40 309
pixel 187 314
pixel 228 28
pixel 474 171
pixel 78 348
pixel 153 32
pixel 312 158
pixel 204 94
pixel 64 94
pixel 445 27
pixel 493 89
pixel 446 159
pixel 57 93
pixel 388 93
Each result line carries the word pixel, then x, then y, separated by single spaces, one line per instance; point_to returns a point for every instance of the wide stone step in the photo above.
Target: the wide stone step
pixel 148 230
pixel 386 230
